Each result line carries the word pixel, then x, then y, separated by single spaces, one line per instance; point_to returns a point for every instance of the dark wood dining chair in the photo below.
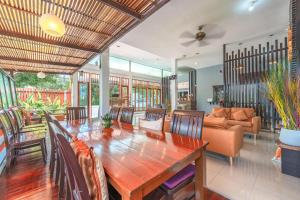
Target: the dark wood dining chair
pixel 53 151
pixel 19 141
pixel 76 185
pixel 154 114
pixel 75 113
pixel 114 112
pixel 127 115
pixel 186 123
pixel 56 157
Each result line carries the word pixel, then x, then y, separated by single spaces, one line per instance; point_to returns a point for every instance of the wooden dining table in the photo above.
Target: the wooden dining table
pixel 137 161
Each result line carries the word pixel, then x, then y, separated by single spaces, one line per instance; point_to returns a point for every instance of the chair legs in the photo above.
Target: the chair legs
pixel 61 179
pixel 44 150
pixel 52 163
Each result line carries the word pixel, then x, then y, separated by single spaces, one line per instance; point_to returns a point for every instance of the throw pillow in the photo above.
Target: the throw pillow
pixel 155 125
pixel 220 113
pixel 92 170
pixel 239 115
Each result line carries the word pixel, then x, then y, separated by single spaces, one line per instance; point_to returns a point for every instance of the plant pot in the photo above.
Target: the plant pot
pixel 107 130
pixel 290 137
pixel 290 152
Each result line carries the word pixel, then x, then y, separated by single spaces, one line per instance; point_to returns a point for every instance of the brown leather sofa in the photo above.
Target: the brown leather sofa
pixel 222 139
pixel 249 122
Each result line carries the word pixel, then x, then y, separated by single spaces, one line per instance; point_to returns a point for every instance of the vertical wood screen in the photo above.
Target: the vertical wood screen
pixel 165 93
pixel 244 72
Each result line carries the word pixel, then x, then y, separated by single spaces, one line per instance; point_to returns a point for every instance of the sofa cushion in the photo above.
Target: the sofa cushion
pixel 227 111
pixel 248 111
pixel 241 123
pixel 239 115
pixel 92 170
pixel 181 176
pixel 220 113
pixel 217 122
pixel 154 125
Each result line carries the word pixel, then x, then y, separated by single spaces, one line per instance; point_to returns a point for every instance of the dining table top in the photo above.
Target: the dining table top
pixel 132 157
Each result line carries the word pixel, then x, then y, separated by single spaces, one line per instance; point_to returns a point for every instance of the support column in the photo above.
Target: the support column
pixel 75 89
pixel 173 84
pixel 104 82
pixel 130 85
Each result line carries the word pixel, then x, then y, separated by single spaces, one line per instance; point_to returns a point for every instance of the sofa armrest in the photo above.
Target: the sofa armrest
pixel 227 142
pixel 256 124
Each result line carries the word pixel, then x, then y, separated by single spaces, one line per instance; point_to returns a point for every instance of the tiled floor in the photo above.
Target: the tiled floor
pixel 253 176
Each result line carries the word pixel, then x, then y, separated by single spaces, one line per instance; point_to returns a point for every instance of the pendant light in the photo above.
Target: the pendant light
pixel 52 25
pixel 41 75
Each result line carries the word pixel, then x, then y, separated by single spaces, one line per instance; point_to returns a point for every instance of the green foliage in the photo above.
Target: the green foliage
pixel 51 81
pixel 106 120
pixel 38 105
pixel 284 93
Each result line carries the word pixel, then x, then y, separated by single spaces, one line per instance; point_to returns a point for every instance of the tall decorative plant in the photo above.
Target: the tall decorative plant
pixel 284 92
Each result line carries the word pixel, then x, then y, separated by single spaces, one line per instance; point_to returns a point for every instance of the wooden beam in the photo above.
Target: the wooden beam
pixel 122 8
pixel 127 29
pixel 71 25
pixel 39 61
pixel 46 41
pixel 45 53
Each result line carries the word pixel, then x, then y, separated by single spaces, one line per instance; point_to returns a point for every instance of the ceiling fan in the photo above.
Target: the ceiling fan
pixel 205 32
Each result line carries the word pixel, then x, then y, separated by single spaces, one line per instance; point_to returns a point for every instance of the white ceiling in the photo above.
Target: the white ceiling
pixel 125 51
pixel 161 34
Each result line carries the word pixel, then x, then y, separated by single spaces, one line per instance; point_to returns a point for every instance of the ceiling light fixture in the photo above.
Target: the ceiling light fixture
pixel 252 5
pixel 52 25
pixel 41 75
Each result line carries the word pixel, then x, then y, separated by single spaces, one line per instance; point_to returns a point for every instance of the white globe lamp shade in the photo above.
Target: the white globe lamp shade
pixel 52 25
pixel 41 75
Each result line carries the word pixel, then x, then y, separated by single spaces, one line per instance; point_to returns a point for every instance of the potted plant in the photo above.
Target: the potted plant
pixel 284 92
pixel 106 122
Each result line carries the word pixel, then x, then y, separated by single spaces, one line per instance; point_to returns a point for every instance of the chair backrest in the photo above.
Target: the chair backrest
pixel 114 112
pixel 6 133
pixel 18 115
pixel 13 121
pixel 52 130
pixel 127 115
pixel 187 123
pixel 6 127
pixel 74 113
pixel 74 174
pixel 153 114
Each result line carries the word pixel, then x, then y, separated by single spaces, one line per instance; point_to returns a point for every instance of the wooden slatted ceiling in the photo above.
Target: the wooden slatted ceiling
pixel 91 25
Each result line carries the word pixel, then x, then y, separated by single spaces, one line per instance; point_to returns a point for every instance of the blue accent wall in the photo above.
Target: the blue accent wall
pixel 206 79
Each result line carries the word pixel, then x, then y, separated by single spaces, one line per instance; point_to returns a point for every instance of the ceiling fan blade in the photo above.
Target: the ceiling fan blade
pixel 216 35
pixel 213 31
pixel 188 43
pixel 203 43
pixel 187 34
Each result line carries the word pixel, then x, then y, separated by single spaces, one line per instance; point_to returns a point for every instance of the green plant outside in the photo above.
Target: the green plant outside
pixel 39 106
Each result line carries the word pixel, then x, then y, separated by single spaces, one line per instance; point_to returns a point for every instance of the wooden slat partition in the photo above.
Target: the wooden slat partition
pixel 244 72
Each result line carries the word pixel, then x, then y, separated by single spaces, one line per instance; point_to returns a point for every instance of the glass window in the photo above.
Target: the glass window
pixel 166 73
pixel 83 94
pixel 143 69
pixel 2 92
pixel 95 99
pixel 13 92
pixel 117 63
pixel 8 92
